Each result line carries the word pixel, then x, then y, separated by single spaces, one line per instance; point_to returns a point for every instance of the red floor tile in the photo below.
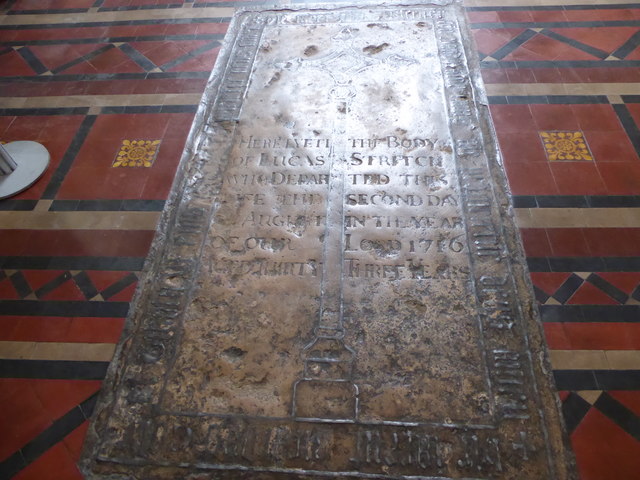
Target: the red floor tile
pixel 514 16
pixel 568 242
pixel 588 294
pixel 604 38
pixel 95 330
pixel 634 110
pixel 512 118
pixel 10 386
pixel 114 61
pixel 99 243
pixel 521 75
pixel 164 52
pixel 525 147
pixel 625 281
pixel 542 47
pixel 578 178
pixel 554 117
pixel 51 4
pixel 37 329
pixel 75 440
pixel 28 34
pixel 8 291
pixel 39 278
pixel 14 242
pixel 596 117
pixel 201 63
pixel 482 17
pixel 547 16
pixel 494 75
pixel 14 65
pixel 603 335
pixel 126 3
pixel 203 28
pixel 612 146
pixel 93 175
pixel 621 178
pixel 629 398
pixel 490 40
pixel 104 279
pixel 22 417
pixel 535 242
pixel 548 75
pixel 549 282
pixel 556 337
pixel 531 179
pixel 603 450
pixel 58 397
pixel 620 242
pixel 55 464
pixel 60 329
pixel 53 56
pixel 599 15
pixel 125 295
pixel 67 291
pixel 55 132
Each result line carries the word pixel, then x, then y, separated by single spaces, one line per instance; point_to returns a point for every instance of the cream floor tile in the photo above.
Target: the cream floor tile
pixel 623 359
pixel 563 89
pixel 80 352
pixel 69 101
pixel 130 15
pixel 577 217
pixel 578 359
pixel 16 350
pixel 80 220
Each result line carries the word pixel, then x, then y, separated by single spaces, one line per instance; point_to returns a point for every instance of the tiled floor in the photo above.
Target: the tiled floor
pixel 88 77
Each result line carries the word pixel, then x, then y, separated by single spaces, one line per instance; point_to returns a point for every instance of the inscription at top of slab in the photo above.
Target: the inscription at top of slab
pixel 336 293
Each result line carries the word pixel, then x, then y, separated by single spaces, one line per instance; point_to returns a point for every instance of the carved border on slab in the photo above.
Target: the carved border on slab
pixel 155 331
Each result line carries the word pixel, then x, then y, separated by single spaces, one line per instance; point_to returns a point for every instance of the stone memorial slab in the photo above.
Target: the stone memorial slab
pixel 337 289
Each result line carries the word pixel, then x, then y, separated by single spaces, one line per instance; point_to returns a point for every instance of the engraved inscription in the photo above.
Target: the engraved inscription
pixel 335 292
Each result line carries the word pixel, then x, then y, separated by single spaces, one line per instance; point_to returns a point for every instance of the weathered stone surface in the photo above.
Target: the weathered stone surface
pixel 337 290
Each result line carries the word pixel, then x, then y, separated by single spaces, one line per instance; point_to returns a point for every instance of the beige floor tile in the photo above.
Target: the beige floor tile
pixel 578 359
pixel 87 352
pixel 590 395
pixel 623 359
pixel 42 220
pixel 16 350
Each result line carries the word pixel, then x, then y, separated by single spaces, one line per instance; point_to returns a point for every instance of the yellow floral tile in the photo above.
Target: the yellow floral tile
pixel 137 153
pixel 565 146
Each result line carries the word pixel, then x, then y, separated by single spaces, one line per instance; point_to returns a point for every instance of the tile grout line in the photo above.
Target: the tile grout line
pixel 67 160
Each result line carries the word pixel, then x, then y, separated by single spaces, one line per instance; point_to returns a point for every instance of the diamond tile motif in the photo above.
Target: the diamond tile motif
pixel 137 153
pixel 565 146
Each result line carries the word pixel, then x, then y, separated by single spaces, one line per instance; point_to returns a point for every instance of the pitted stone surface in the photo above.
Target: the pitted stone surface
pixel 337 290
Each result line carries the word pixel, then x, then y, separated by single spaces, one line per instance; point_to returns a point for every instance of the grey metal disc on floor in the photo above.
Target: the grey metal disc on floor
pixel 32 160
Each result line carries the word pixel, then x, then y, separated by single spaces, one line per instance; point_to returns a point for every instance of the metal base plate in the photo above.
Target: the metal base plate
pixel 32 159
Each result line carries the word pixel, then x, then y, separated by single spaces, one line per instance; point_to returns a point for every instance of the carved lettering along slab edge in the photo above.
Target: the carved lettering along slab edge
pixel 134 435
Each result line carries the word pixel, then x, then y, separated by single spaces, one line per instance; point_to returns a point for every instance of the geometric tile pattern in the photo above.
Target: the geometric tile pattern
pixel 586 279
pixel 107 57
pixel 587 288
pixel 575 407
pixel 565 146
pixel 555 43
pixel 137 153
pixel 65 285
